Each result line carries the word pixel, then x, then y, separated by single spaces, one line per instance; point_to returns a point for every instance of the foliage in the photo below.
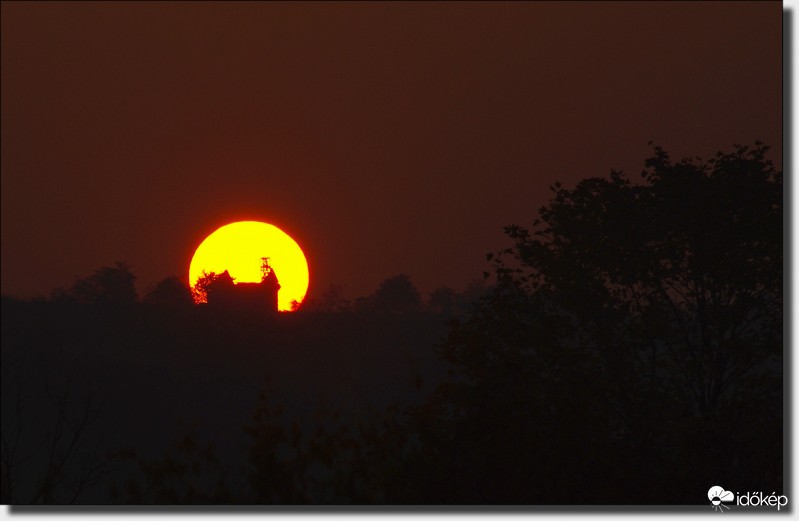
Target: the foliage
pixel 110 286
pixel 443 301
pixel 189 474
pixel 396 295
pixel 629 327
pixel 333 462
pixel 690 262
pixel 199 291
pixel 170 293
pixel 331 301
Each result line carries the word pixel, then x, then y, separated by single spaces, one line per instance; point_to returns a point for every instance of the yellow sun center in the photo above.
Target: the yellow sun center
pixel 239 247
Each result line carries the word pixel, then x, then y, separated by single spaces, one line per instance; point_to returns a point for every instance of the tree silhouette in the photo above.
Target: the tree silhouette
pixel 396 295
pixel 635 332
pixel 190 473
pixel 694 255
pixel 170 293
pixel 105 287
pixel 443 301
pixel 200 289
pixel 332 300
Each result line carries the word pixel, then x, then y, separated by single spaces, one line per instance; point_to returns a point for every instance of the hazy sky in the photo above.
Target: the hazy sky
pixel 385 138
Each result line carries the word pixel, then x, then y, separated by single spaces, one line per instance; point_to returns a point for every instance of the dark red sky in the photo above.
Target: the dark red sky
pixel 384 137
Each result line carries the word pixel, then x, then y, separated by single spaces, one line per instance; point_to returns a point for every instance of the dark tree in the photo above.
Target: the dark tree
pixel 332 300
pixel 693 257
pixel 170 293
pixel 200 290
pixel 105 287
pixel 632 343
pixel 396 295
pixel 443 300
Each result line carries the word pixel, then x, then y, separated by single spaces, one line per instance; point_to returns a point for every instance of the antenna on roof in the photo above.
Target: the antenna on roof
pixel 266 269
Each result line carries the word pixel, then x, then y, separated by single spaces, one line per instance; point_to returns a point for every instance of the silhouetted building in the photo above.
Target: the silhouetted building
pixel 223 292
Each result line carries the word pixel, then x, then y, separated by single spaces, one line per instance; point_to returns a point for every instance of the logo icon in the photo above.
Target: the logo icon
pixel 718 496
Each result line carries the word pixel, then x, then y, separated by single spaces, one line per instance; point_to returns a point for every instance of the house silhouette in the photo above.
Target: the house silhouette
pixel 247 297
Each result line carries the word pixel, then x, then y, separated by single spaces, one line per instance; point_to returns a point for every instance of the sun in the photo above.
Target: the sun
pixel 239 247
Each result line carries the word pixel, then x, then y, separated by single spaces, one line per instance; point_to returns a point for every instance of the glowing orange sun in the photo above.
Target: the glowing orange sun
pixel 238 248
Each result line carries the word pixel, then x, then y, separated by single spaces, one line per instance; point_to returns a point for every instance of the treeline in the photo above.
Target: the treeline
pixel 629 350
pixel 115 287
pixel 99 382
